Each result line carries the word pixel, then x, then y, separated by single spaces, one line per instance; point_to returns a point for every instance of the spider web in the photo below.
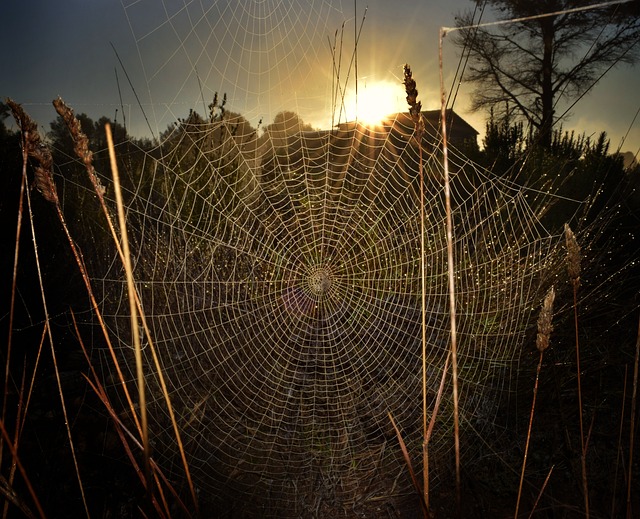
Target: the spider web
pixel 280 274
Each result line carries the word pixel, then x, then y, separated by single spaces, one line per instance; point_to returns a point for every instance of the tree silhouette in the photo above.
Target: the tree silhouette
pixel 527 67
pixel 285 124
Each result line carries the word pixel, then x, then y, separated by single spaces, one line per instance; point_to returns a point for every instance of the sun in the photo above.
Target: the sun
pixel 375 101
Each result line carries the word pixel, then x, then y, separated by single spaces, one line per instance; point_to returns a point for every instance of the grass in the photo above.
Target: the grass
pixel 535 494
pixel 574 269
pixel 542 343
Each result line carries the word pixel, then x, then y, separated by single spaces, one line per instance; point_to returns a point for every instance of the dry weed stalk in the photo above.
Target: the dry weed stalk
pixel 44 183
pixel 545 327
pixel 22 410
pixel 544 485
pixel 450 269
pixel 407 460
pixel 133 308
pixel 82 150
pixel 81 147
pixel 11 314
pixel 32 146
pixel 634 393
pixel 125 435
pixel 36 150
pixel 80 142
pixel 25 477
pixel 574 270
pixel 136 304
pixel 415 109
pixel 415 106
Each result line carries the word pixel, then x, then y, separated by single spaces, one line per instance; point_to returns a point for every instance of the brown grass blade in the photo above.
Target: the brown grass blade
pixel 12 302
pixel 544 485
pixel 84 153
pixel 33 147
pixel 21 415
pixel 133 308
pixel 23 472
pixel 634 394
pixel 55 362
pixel 407 460
pixel 415 110
pixel 451 273
pixel 152 348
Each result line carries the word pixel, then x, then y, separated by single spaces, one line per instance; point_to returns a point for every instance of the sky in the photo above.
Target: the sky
pixel 147 62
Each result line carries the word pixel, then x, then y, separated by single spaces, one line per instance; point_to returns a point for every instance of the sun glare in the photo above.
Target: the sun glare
pixel 374 102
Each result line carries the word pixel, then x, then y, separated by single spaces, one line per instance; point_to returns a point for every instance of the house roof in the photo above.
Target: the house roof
pixel 454 122
pixel 458 130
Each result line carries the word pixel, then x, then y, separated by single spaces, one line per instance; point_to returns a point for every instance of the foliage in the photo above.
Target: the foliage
pixel 10 158
pixel 202 163
pixel 581 173
pixel 525 68
pixel 287 122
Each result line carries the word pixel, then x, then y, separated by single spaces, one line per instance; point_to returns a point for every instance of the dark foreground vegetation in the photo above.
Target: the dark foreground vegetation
pixel 573 168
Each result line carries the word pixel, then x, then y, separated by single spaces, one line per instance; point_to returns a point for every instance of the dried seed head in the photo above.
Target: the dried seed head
pixel 38 151
pixel 80 142
pixel 573 256
pixel 544 321
pixel 415 106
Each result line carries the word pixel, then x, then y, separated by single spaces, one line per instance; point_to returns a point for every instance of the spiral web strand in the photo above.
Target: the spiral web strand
pixel 280 277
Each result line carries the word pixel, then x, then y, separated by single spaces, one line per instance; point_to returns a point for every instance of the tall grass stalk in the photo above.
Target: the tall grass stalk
pixel 125 435
pixel 634 393
pixel 46 186
pixel 542 343
pixel 12 302
pixel 32 146
pixel 407 459
pixel 6 438
pixel 574 268
pixel 133 309
pixel 451 270
pixel 81 148
pixel 619 449
pixel 20 419
pixel 415 111
pixel 5 393
pixel 150 342
pixel 544 485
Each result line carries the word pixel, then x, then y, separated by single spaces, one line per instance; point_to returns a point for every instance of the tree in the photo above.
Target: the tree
pixel 288 122
pixel 527 67
pixel 63 145
pixel 4 113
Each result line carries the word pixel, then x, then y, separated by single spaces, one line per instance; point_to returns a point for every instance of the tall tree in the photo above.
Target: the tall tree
pixel 527 67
